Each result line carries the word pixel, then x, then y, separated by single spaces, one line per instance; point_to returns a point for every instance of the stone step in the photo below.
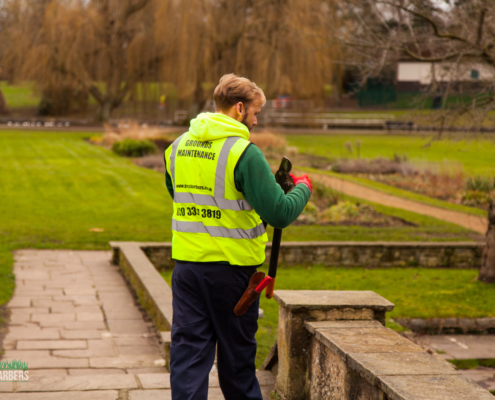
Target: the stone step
pixel 140 386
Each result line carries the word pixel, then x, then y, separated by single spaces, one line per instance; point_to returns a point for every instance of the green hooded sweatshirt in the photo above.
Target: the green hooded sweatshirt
pixel 253 176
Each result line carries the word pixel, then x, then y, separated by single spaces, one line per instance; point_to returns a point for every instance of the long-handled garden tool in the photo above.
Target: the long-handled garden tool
pixel 258 281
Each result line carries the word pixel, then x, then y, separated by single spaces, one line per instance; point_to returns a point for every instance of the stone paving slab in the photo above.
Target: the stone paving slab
pixel 77 325
pixel 485 377
pixel 90 371
pixel 463 346
pixel 76 383
pixel 51 344
pixel 128 361
pixel 425 387
pixel 6 387
pixel 89 395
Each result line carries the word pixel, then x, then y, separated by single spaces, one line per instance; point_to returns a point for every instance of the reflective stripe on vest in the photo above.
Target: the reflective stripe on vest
pixel 218 231
pixel 219 199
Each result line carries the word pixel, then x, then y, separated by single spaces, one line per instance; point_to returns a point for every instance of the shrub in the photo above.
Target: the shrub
pixel 154 161
pixel 480 184
pixel 132 130
pixel 268 141
pixel 379 165
pixel 133 148
pixel 475 198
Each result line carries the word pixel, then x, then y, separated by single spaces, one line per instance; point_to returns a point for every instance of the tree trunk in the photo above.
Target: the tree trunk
pixel 3 104
pixel 487 271
pixel 104 111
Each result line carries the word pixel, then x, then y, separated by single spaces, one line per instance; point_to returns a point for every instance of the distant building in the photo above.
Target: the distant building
pixel 415 76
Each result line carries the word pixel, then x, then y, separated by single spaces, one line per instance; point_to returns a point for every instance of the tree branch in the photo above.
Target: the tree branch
pixel 480 25
pixel 438 59
pixel 133 8
pixel 428 19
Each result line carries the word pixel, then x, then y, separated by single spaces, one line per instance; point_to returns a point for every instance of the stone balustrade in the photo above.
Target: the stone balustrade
pixel 330 345
pixel 333 345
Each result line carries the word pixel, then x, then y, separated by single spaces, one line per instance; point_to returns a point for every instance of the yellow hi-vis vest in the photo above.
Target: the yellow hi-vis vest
pixel 212 221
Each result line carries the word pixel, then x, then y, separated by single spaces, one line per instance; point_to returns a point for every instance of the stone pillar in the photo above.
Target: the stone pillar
pixel 298 306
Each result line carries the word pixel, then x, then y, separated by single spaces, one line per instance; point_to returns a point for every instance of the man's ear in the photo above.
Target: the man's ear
pixel 240 108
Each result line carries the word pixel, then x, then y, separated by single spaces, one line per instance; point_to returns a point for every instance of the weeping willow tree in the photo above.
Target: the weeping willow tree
pixel 76 48
pixel 105 48
pixel 277 43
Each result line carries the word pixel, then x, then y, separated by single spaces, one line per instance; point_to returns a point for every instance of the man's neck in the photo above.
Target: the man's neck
pixel 231 113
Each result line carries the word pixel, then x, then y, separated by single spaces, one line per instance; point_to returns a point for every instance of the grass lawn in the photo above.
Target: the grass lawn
pixel 476 156
pixel 24 95
pixel 21 95
pixel 416 292
pixel 55 187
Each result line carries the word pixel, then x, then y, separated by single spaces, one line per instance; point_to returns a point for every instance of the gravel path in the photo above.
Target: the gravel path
pixel 472 222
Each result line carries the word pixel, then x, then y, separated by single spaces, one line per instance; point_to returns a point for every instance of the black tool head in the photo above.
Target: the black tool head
pixel 282 175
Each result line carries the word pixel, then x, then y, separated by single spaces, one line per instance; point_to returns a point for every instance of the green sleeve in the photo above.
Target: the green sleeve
pixel 254 178
pixel 168 181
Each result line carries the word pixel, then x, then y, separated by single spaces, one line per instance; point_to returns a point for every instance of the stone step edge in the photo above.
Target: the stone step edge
pixel 439 324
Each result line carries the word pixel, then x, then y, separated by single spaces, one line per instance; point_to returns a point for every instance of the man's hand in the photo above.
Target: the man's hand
pixel 304 179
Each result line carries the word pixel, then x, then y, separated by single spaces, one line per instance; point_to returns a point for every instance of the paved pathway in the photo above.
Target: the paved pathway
pixel 464 347
pixel 472 222
pixel 76 324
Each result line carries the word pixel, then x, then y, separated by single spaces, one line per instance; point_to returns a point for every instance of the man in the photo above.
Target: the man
pixel 223 190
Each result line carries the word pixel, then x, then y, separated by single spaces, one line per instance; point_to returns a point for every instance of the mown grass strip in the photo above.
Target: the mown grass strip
pixel 473 363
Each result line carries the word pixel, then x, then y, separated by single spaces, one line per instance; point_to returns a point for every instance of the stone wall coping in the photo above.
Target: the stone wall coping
pixel 331 299
pixel 365 340
pixel 332 243
pixel 312 326
pixel 431 387
pixel 155 285
pixel 401 369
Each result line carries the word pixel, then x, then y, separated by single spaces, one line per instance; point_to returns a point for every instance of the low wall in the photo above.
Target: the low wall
pixel 333 345
pixel 330 345
pixel 449 325
pixel 150 288
pixel 466 255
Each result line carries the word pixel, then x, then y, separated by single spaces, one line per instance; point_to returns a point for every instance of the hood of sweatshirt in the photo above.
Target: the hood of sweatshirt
pixel 214 126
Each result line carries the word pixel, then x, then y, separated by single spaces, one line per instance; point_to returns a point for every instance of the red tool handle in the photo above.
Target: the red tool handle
pixel 263 284
pixel 269 289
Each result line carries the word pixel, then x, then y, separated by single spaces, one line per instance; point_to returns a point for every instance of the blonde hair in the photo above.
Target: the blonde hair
pixel 233 89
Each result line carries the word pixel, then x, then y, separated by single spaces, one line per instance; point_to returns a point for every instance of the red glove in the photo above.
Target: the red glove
pixel 304 180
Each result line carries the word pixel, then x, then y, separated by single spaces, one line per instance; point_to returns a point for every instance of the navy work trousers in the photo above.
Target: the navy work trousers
pixel 204 297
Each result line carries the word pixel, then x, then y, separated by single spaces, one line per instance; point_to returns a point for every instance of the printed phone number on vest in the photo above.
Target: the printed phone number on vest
pixel 201 212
